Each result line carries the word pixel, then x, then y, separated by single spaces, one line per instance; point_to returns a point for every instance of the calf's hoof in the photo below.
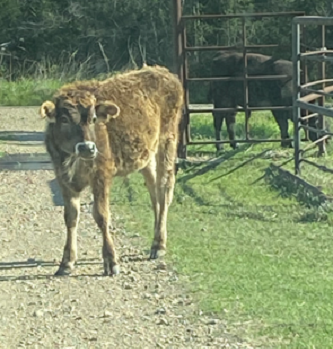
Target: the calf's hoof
pixel 156 252
pixel 110 268
pixel 63 270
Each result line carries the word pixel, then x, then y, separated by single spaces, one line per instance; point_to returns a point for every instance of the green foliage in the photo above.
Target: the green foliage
pixel 27 92
pixel 48 37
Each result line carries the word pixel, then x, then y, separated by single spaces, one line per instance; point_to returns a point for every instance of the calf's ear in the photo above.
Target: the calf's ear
pixel 106 111
pixel 47 110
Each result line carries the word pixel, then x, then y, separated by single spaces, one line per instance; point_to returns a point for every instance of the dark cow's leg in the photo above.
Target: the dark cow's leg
pixel 71 216
pixel 231 122
pixel 313 122
pixel 249 116
pixel 218 122
pixel 282 120
pixel 101 215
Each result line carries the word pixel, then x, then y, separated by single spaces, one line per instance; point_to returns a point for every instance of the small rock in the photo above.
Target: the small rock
pixel 163 321
pixel 38 313
pixel 107 313
pixel 132 278
pixel 127 286
pixel 212 322
pixel 160 311
pixel 162 266
pixel 135 268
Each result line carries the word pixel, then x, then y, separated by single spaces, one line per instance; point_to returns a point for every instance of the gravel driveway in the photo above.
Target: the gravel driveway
pixel 146 306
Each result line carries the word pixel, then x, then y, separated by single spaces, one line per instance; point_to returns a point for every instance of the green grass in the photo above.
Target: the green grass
pixel 26 92
pixel 258 258
pixel 33 92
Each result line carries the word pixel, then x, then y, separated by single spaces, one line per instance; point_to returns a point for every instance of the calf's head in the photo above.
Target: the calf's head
pixel 74 117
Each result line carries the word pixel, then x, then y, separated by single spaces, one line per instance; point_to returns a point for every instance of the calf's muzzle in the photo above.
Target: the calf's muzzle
pixel 86 150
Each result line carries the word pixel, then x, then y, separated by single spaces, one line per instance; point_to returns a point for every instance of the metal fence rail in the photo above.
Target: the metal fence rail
pixel 319 111
pixel 181 68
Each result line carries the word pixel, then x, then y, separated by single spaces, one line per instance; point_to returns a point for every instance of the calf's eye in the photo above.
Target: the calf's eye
pixel 64 120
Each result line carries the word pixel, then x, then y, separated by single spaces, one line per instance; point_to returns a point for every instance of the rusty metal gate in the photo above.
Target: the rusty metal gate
pixel 181 68
pixel 320 55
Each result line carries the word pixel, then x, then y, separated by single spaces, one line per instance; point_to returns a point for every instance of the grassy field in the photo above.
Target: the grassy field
pixel 253 252
pixel 33 92
pixel 27 92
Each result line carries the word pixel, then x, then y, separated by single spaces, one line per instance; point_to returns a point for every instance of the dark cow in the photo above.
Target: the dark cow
pixel 262 93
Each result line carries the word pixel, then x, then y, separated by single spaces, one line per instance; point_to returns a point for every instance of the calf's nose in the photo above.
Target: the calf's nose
pixel 86 149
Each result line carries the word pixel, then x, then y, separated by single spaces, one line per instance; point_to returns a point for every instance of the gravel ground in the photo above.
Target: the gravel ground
pixel 146 306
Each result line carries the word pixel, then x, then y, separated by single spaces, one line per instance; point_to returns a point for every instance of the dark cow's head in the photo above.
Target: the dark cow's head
pixel 74 115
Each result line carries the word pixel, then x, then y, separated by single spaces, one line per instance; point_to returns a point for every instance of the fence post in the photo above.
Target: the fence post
pixel 176 13
pixel 245 81
pixel 296 91
pixel 321 100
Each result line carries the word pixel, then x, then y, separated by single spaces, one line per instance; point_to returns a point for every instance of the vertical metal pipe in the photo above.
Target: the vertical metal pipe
pixel 245 81
pixel 296 91
pixel 186 90
pixel 176 12
pixel 321 100
pixel 304 71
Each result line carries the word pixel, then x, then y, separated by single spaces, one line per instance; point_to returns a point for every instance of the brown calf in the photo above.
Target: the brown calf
pixel 97 130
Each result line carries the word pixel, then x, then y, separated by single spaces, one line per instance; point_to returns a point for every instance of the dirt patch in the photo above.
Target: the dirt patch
pixel 146 306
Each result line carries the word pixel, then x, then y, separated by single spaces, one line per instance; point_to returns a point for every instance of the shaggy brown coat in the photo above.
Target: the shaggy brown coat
pixel 97 130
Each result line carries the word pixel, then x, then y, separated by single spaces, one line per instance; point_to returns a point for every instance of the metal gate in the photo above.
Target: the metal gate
pixel 181 68
pixel 321 56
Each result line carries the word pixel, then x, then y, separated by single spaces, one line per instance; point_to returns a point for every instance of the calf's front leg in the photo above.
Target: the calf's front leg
pixel 101 215
pixel 71 217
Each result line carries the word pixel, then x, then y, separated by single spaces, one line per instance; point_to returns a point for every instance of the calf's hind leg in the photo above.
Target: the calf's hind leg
pixel 149 174
pixel 165 182
pixel 71 217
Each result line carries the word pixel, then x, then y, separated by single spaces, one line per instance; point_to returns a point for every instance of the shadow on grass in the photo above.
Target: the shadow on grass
pixel 212 164
pixel 318 205
pixel 288 188
pixel 258 156
pixel 188 189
